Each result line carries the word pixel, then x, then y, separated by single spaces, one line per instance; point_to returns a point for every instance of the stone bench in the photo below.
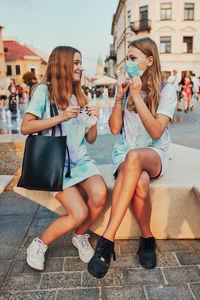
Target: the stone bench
pixel 175 200
pixel 5 180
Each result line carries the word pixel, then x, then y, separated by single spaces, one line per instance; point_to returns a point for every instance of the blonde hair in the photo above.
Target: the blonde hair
pixel 59 78
pixel 154 76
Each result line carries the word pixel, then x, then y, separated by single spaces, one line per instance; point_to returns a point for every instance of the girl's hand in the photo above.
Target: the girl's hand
pixel 70 112
pixel 135 87
pixel 93 110
pixel 122 87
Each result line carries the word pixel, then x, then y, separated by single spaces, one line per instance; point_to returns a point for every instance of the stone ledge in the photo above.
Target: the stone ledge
pixel 5 180
pixel 175 200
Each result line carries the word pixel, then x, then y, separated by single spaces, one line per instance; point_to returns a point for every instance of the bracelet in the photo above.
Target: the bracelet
pixel 120 98
pixel 118 101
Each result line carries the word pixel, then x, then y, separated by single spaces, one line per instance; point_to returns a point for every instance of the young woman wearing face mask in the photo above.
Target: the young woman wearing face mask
pixel 62 83
pixel 142 111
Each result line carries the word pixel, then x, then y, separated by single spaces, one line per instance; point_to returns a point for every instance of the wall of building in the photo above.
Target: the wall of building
pixel 2 57
pixel 176 28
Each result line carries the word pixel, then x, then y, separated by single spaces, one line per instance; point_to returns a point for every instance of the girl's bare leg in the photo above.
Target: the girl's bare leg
pixel 185 103
pixel 137 160
pixel 141 204
pixel 77 211
pixel 96 190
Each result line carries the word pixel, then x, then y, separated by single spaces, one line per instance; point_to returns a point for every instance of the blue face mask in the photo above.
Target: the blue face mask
pixel 132 69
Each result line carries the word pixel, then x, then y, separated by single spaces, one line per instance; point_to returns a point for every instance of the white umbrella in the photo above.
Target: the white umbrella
pixel 105 80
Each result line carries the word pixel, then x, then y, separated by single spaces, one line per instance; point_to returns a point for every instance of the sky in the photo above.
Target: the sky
pixel 46 24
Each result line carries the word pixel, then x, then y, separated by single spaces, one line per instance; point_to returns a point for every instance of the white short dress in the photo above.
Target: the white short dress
pixel 134 134
pixel 82 167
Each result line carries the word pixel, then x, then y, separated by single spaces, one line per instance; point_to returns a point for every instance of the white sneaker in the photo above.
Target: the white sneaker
pixel 85 250
pixel 36 254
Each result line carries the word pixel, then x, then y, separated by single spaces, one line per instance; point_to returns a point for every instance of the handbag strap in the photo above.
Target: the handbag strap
pixel 54 112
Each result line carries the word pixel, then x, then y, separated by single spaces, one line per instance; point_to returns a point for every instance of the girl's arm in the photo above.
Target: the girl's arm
pixel 155 126
pixel 91 135
pixel 116 118
pixel 31 124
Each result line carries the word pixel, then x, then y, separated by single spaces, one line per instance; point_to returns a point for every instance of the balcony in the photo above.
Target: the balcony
pixel 142 25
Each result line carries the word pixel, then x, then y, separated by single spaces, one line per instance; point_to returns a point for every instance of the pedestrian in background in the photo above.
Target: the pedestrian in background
pixel 141 151
pixel 62 84
pixel 173 80
pixel 186 91
pixel 31 84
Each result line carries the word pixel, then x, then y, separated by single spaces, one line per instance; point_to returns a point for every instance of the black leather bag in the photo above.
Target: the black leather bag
pixel 44 160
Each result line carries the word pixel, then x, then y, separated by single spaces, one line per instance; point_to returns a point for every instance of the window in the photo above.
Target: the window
pixel 9 70
pixel 17 69
pixel 187 44
pixel 129 17
pixel 165 45
pixel 189 11
pixel 166 11
pixel 143 13
pixel 33 70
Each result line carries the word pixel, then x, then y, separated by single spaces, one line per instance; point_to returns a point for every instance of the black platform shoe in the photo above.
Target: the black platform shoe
pixel 147 252
pixel 99 264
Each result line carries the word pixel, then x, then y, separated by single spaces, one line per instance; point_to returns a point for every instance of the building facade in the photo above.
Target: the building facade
pixel 21 59
pixel 2 57
pixel 173 25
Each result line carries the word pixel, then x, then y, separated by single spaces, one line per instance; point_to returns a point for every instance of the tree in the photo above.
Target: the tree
pixel 27 77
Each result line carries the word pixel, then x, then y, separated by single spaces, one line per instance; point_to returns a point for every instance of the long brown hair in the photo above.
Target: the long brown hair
pixel 154 76
pixel 59 77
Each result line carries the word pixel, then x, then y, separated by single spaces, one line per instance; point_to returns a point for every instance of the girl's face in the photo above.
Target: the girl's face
pixel 136 55
pixel 78 69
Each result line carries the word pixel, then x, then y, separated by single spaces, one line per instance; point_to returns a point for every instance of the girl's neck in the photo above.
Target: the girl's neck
pixel 144 82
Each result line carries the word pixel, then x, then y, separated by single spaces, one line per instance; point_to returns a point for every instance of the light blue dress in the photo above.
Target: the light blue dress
pixel 134 135
pixel 82 167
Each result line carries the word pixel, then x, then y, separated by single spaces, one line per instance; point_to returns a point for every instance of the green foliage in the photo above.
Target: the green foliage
pixel 27 77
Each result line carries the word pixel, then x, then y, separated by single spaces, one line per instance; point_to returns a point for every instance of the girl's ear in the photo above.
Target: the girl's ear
pixel 150 61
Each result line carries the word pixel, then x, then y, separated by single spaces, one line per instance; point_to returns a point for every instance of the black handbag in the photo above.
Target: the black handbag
pixel 44 160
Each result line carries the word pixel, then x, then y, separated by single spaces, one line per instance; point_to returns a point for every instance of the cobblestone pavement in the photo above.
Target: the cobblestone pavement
pixel 177 275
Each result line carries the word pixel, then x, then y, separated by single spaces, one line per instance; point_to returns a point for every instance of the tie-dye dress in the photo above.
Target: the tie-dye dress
pixel 82 167
pixel 134 135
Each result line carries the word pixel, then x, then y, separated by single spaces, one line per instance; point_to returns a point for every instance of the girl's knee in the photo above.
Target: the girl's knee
pixel 133 158
pixel 98 195
pixel 80 214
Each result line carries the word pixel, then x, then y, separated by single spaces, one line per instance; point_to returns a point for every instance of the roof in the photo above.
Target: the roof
pixel 15 51
pixel 40 53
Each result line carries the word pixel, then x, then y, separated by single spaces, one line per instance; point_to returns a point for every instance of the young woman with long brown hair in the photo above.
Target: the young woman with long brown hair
pixel 141 151
pixel 62 84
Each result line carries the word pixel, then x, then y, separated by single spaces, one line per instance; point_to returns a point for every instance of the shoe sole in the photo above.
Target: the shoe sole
pixel 34 266
pixel 83 258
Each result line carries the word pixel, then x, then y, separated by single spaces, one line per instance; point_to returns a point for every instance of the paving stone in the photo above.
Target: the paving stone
pixel 112 278
pixel 45 213
pixel 63 251
pixel 78 294
pixel 23 282
pixel 125 261
pixel 195 244
pixel 188 258
pixel 51 265
pixel 13 230
pixel 60 280
pixel 168 292
pixel 182 274
pixel 15 204
pixel 4 266
pixel 4 296
pixel 173 245
pixel 123 293
pixel 18 267
pixel 166 259
pixel 195 287
pixel 137 276
pixel 74 264
pixel 128 246
pixel 45 222
pixel 37 295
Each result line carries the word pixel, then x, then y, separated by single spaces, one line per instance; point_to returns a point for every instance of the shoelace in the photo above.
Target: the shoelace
pixel 104 253
pixel 41 248
pixel 84 241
